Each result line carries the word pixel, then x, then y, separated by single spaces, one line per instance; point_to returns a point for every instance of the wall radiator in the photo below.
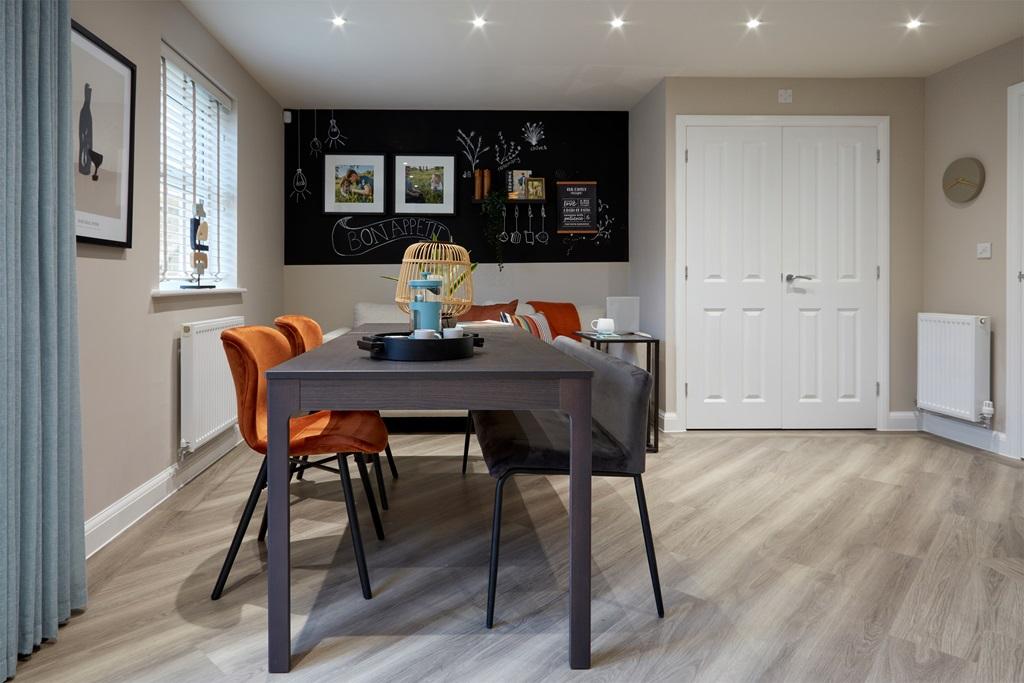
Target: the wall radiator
pixel 208 404
pixel 953 364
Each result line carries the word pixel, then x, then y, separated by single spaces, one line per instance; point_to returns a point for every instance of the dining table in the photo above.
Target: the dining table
pixel 513 370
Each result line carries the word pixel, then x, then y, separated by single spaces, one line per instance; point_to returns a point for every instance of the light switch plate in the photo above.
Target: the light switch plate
pixel 984 250
pixel 785 96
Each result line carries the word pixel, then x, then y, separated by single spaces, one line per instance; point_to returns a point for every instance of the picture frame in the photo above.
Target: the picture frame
pixel 535 188
pixel 103 98
pixel 425 184
pixel 354 183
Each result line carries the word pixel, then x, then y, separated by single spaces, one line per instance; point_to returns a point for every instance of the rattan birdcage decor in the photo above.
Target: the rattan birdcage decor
pixel 448 261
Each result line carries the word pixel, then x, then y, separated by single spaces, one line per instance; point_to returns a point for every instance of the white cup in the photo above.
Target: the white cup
pixel 454 332
pixel 603 325
pixel 425 334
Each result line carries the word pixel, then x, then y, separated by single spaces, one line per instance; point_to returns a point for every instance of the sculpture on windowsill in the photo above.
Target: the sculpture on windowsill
pixel 199 232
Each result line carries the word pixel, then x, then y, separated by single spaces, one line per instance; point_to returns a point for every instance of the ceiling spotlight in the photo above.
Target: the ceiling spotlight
pixel 479 22
pixel 338 21
pixel 914 23
pixel 753 23
pixel 617 22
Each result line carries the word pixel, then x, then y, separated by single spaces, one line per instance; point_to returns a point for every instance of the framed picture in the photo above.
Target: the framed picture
pixel 425 184
pixel 354 183
pixel 535 188
pixel 103 100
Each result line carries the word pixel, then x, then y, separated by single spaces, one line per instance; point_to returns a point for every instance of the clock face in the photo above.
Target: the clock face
pixel 963 180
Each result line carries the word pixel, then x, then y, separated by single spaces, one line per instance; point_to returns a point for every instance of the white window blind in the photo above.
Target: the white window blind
pixel 197 164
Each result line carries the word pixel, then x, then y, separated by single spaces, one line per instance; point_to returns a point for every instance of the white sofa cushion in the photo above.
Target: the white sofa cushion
pixel 366 312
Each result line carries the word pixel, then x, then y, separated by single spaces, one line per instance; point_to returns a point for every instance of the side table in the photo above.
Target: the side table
pixel 652 346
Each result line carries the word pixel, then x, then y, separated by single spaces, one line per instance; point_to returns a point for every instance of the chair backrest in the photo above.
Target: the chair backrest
pixel 251 351
pixel 620 394
pixel 303 334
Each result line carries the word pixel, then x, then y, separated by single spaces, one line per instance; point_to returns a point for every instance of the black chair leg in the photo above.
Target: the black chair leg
pixel 465 447
pixel 391 462
pixel 302 473
pixel 370 498
pixel 243 524
pixel 263 524
pixel 652 562
pixel 353 526
pixel 492 579
pixel 380 481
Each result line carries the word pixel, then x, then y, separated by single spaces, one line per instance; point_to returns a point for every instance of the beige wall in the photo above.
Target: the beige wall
pixel 901 99
pixel 128 340
pixel 965 115
pixel 329 293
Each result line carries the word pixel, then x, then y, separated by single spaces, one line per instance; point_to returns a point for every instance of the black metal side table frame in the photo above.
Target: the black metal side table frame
pixel 652 346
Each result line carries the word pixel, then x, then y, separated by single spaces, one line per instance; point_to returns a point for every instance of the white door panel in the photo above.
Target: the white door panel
pixel 733 217
pixel 830 227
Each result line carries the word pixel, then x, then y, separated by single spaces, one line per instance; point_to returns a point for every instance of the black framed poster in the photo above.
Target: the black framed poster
pixel 577 207
pixel 103 101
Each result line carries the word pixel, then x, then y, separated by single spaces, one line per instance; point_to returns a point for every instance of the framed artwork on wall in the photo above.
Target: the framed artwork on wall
pixel 103 99
pixel 425 184
pixel 354 183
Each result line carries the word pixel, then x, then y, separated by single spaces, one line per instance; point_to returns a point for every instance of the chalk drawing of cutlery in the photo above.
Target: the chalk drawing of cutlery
pixel 542 236
pixel 517 236
pixel 528 235
pixel 503 237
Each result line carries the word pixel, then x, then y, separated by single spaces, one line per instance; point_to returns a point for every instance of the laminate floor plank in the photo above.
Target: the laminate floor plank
pixel 784 556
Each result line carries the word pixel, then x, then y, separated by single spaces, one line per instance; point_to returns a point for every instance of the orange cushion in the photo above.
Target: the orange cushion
pixel 303 333
pixel 489 312
pixel 563 319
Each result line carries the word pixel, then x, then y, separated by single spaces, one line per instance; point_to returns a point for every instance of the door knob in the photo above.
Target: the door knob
pixel 790 277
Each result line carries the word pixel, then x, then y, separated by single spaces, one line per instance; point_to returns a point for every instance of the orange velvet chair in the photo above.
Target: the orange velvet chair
pixel 253 350
pixel 304 334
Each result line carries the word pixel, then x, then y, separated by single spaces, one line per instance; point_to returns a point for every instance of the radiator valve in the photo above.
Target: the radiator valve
pixel 987 411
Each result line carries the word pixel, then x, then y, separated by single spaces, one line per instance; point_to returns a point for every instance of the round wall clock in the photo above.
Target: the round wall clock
pixel 963 180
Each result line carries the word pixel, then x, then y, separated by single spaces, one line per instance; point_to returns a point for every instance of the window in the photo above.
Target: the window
pixel 197 164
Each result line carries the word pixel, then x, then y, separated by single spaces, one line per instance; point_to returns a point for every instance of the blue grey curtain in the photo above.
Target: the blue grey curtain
pixel 42 543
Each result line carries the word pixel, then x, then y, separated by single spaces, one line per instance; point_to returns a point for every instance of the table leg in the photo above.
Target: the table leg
pixel 282 403
pixel 657 390
pixel 575 400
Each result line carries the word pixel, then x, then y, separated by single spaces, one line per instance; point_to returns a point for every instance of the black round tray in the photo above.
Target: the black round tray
pixel 401 346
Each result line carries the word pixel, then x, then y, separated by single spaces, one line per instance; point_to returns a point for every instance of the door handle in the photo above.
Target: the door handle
pixel 790 277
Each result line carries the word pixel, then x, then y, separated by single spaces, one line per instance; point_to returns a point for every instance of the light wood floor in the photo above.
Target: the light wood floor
pixel 829 556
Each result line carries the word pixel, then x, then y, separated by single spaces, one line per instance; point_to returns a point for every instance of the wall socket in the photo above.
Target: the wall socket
pixel 785 96
pixel 984 250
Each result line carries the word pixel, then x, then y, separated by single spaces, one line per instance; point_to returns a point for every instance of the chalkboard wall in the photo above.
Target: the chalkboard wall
pixel 554 145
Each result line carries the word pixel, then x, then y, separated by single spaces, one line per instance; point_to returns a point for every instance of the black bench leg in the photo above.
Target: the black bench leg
pixel 353 525
pixel 243 524
pixel 465 448
pixel 391 462
pixel 652 562
pixel 492 579
pixel 380 481
pixel 371 500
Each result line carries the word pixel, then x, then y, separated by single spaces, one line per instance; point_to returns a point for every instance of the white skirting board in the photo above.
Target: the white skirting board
pixel 109 523
pixel 902 421
pixel 670 422
pixel 966 433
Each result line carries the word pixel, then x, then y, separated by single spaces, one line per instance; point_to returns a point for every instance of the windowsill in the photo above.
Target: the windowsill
pixel 169 293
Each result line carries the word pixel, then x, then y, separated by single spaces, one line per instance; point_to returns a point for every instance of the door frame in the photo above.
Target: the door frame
pixel 881 124
pixel 1014 265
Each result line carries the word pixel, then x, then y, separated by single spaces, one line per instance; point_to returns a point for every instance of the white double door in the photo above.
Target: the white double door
pixel 781 252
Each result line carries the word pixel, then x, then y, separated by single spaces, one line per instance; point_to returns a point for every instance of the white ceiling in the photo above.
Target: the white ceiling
pixel 562 54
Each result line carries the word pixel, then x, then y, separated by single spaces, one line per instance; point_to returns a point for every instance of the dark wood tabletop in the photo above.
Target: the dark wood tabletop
pixel 508 352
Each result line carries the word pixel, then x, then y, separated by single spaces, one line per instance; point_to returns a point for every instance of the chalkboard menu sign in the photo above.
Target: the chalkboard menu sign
pixel 577 207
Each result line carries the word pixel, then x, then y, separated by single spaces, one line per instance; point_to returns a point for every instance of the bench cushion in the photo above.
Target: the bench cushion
pixel 524 439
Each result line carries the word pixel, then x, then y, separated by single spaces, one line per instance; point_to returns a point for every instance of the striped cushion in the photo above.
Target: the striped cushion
pixel 534 323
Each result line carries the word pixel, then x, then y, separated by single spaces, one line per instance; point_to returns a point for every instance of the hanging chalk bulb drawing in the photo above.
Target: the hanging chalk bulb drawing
pixel 315 148
pixel 472 148
pixel 533 133
pixel 334 136
pixel 300 188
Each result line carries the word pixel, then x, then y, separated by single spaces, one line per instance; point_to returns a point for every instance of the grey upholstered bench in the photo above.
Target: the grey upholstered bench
pixel 528 442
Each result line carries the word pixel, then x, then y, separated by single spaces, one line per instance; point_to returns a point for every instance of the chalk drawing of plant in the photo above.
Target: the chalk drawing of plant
pixel 472 148
pixel 533 133
pixel 506 153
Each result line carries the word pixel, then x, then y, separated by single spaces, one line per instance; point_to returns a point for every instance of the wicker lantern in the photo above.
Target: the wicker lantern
pixel 451 263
